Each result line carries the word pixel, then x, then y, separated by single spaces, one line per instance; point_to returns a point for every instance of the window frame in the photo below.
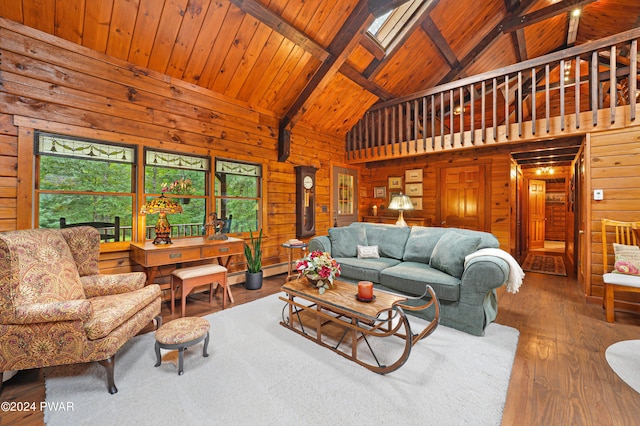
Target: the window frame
pixel 38 153
pixel 261 193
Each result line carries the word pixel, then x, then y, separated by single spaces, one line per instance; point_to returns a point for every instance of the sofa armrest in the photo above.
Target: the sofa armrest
pixel 109 284
pixel 68 310
pixel 322 243
pixel 483 274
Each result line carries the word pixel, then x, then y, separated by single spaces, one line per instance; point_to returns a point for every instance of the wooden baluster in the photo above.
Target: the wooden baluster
pixel 379 139
pixel 407 121
pixel 433 122
pixel 416 120
pixel 400 123
pixel 451 127
pixel 562 75
pixel 633 84
pixel 471 112
pixel 577 89
pixel 360 141
pixel 495 109
pixel 393 129
pixel 534 83
pixel 483 121
pixel 367 142
pixel 387 136
pixel 442 120
pixel 349 139
pixel 461 96
pixel 424 123
pixel 506 106
pixel 613 84
pixel 594 87
pixel 519 106
pixel 546 96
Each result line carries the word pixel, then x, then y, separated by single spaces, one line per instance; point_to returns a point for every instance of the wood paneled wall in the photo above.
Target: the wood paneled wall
pixel 497 182
pixel 51 84
pixel 615 168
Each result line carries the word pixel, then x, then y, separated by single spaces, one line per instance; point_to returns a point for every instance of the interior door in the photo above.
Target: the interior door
pixel 345 196
pixel 462 197
pixel 537 195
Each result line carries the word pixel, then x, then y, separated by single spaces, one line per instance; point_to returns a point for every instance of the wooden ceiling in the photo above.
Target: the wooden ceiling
pixel 309 60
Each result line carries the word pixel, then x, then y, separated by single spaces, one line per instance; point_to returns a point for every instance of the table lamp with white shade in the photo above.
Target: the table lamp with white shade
pixel 401 203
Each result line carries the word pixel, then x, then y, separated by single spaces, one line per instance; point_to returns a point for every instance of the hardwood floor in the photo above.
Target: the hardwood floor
pixel 560 375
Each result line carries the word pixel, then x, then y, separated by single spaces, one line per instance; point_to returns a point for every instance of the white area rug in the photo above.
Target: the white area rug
pixel 260 373
pixel 624 358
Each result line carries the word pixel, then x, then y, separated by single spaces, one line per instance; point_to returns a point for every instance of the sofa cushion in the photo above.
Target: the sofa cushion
pixel 411 277
pixel 368 252
pixel 421 242
pixel 390 239
pixel 365 269
pixel 345 240
pixel 449 253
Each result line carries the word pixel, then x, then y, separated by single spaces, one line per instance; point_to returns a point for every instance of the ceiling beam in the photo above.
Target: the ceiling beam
pixel 341 46
pixel 543 14
pixel 440 42
pixel 276 23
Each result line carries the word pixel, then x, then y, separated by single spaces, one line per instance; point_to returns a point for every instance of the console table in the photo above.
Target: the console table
pixel 411 221
pixel 151 256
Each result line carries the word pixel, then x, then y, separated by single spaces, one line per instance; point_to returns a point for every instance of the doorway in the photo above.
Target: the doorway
pixel 344 182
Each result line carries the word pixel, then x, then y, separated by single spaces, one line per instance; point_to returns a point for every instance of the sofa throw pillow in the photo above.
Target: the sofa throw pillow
pixel 368 252
pixel 450 250
pixel 627 259
pixel 345 240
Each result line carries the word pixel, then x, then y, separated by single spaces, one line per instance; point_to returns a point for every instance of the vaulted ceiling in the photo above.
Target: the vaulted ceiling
pixel 310 60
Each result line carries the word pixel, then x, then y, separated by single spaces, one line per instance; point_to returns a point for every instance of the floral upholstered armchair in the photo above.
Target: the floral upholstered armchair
pixel 55 306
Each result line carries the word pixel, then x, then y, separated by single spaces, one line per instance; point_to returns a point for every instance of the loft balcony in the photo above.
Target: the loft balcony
pixel 583 89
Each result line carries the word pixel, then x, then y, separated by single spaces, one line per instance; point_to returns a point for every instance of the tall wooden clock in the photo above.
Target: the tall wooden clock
pixel 305 201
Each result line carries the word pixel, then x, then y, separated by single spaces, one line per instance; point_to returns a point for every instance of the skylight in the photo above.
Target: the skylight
pixel 386 27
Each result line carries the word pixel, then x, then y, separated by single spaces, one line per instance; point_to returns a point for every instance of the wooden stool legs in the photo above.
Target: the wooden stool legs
pixel 189 278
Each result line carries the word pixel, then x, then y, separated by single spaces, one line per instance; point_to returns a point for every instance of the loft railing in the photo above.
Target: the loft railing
pixel 558 92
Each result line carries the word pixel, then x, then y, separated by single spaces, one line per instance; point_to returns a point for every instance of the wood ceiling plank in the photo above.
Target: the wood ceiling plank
pixel 546 36
pixel 223 42
pixel 280 79
pixel 205 40
pixel 277 23
pixel 187 36
pixel 253 92
pixel 144 34
pixel 294 83
pixel 123 18
pixel 97 17
pixel 266 55
pixel 170 24
pixel 40 14
pixel 12 9
pixel 327 21
pixel 71 12
pixel 247 67
pixel 235 54
pixel 356 76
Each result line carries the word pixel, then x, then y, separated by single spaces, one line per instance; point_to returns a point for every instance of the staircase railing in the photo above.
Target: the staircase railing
pixel 504 104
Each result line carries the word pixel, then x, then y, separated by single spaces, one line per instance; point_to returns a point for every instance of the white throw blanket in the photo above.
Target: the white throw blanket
pixel 516 274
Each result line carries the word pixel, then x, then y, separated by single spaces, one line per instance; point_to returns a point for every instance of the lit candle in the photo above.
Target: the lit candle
pixel 365 290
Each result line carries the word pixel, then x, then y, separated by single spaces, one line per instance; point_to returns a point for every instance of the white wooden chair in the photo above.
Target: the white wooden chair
pixel 623 233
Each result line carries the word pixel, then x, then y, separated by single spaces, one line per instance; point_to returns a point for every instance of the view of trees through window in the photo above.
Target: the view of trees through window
pixel 88 181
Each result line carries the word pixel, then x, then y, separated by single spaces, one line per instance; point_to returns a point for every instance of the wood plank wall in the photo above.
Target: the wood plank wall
pixel 498 183
pixel 62 87
pixel 615 168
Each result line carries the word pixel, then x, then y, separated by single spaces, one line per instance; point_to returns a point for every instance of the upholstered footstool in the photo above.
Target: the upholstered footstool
pixel 180 334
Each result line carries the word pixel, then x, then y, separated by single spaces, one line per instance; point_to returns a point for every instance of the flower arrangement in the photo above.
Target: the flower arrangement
pixel 319 268
pixel 180 186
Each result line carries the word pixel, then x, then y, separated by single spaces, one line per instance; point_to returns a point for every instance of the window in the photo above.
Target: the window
pixel 239 194
pixel 81 180
pixel 185 179
pixel 387 27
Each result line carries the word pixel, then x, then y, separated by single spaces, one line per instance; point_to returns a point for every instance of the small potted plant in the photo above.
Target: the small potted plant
pixel 253 255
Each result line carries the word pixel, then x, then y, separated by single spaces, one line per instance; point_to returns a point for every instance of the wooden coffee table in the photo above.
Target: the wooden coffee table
pixel 338 321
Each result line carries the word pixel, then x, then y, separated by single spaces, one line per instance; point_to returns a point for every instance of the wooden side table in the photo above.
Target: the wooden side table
pixel 302 247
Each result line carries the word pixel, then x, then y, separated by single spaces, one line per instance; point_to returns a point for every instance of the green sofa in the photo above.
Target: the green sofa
pixel 408 258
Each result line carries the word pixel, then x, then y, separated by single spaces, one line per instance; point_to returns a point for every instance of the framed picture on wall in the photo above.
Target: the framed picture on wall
pixel 393 194
pixel 413 189
pixel 395 182
pixel 414 175
pixel 380 192
pixel 417 203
